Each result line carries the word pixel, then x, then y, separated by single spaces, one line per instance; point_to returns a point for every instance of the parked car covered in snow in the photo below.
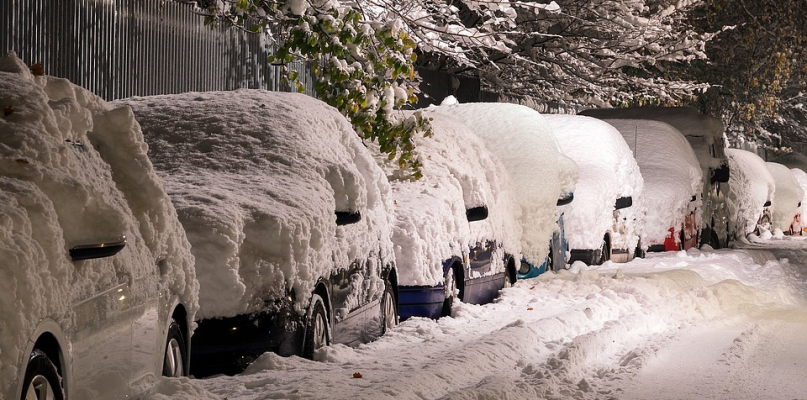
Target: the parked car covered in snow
pixel 455 230
pixel 801 178
pixel 672 183
pixel 544 177
pixel 705 134
pixel 98 288
pixel 787 199
pixel 603 221
pixel 752 192
pixel 289 218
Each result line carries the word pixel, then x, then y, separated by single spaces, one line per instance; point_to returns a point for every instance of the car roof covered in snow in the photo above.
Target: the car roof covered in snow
pixel 257 178
pixel 787 198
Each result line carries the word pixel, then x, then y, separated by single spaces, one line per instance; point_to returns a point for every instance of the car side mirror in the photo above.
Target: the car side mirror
pixel 721 174
pixel 476 213
pixel 97 250
pixel 623 202
pixel 568 198
pixel 347 217
pixel 767 204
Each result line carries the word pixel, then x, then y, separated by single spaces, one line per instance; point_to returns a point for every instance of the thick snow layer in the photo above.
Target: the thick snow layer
pixel 608 171
pixel 751 186
pixel 73 171
pixel 257 177
pixel 430 221
pixel 702 131
pixel 522 139
pixel 787 198
pixel 671 173
pixel 734 318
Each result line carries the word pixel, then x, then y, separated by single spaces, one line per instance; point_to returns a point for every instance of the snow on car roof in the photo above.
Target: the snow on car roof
pixel 607 172
pixel 74 171
pixel 672 175
pixel 430 221
pixel 257 177
pixel 702 131
pixel 751 185
pixel 787 197
pixel 521 138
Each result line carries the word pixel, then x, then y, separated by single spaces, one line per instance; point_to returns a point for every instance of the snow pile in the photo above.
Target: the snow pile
pixel 74 171
pixel 789 194
pixel 672 175
pixel 522 139
pixel 257 177
pixel 608 171
pixel 430 221
pixel 751 186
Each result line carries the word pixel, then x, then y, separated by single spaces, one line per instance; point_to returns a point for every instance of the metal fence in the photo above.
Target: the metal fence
pixel 123 48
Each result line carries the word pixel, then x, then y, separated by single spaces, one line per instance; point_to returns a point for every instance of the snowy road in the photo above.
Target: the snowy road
pixel 725 324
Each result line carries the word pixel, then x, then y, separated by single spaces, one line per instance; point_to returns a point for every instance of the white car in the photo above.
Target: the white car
pixel 289 217
pixel 544 178
pixel 98 293
pixel 602 223
pixel 752 193
pixel 787 200
pixel 456 232
pixel 672 183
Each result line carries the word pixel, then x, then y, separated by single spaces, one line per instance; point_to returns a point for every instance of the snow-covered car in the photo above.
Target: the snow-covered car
pixel 705 134
pixel 801 178
pixel 543 176
pixel 751 195
pixel 672 183
pixel 602 223
pixel 289 218
pixel 98 291
pixel 455 230
pixel 786 200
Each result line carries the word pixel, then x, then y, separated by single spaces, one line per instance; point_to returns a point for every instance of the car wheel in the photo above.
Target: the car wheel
pixel 174 360
pixel 42 380
pixel 389 308
pixel 450 293
pixel 317 333
pixel 550 261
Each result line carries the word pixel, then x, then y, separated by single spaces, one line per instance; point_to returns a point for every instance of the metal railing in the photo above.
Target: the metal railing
pixel 123 48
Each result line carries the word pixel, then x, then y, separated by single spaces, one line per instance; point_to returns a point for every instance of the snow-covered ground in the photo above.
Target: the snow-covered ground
pixel 717 324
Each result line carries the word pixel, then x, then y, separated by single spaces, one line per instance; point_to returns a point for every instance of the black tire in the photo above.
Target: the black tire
pixel 508 277
pixel 42 380
pixel 550 261
pixel 450 288
pixel 317 328
pixel 605 252
pixel 175 358
pixel 389 309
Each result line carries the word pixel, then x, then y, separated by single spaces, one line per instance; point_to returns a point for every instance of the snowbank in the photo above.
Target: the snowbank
pixel 522 139
pixel 257 177
pixel 73 171
pixel 430 221
pixel 787 201
pixel 751 186
pixel 672 175
pixel 608 171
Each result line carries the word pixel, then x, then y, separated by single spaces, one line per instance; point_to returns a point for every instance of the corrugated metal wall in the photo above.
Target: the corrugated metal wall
pixel 123 48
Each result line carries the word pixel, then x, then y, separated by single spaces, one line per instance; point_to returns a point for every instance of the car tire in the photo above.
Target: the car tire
pixel 42 380
pixel 317 330
pixel 605 252
pixel 174 359
pixel 550 262
pixel 389 309
pixel 450 288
